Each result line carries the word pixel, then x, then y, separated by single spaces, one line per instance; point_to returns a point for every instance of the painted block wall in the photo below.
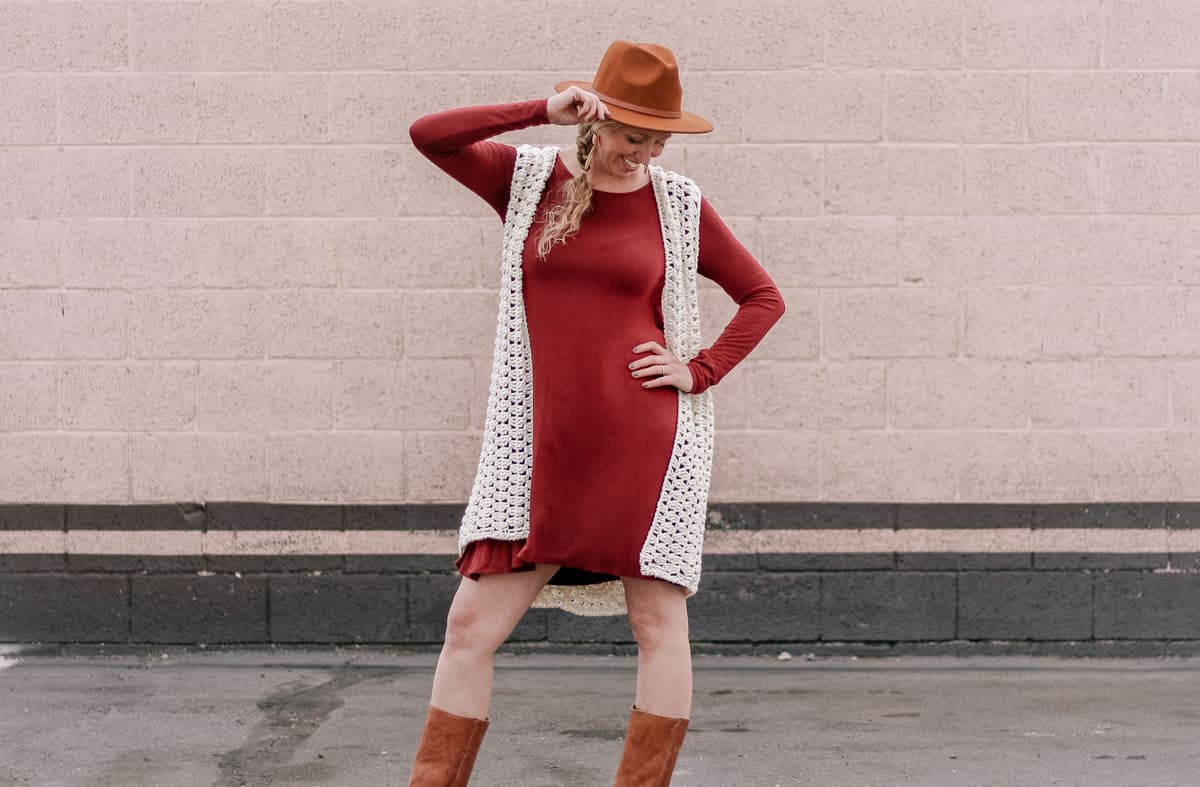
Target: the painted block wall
pixel 228 285
pixel 226 275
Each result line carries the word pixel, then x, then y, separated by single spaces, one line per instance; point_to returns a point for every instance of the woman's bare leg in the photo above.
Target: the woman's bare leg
pixel 658 616
pixel 484 612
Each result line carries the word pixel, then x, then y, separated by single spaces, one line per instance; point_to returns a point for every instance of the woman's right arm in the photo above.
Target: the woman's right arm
pixel 456 141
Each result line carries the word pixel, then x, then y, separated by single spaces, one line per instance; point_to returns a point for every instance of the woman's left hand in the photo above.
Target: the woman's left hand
pixel 661 368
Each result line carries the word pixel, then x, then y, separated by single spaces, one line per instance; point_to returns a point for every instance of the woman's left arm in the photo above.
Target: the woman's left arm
pixel 760 305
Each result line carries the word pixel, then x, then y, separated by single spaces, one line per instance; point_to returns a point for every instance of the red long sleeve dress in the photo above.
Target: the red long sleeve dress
pixel 601 442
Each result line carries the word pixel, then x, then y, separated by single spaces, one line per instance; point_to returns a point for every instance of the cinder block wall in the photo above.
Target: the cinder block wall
pixel 226 276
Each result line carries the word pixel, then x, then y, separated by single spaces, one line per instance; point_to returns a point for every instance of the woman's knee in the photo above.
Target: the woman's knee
pixel 471 629
pixel 658 618
pixel 485 611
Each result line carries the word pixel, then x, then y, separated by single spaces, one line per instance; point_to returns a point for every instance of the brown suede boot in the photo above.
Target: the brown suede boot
pixel 447 749
pixel 651 745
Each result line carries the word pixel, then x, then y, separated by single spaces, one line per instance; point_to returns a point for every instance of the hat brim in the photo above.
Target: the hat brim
pixel 686 123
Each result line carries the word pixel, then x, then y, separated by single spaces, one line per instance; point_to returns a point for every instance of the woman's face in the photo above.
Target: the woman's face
pixel 623 151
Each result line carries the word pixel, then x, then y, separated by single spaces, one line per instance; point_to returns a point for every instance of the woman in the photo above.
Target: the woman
pixel 593 479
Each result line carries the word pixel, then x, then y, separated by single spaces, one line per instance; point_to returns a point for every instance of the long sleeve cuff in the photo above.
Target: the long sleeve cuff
pixel 702 372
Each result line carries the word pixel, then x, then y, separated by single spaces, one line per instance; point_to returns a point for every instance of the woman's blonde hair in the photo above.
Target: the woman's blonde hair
pixel 562 220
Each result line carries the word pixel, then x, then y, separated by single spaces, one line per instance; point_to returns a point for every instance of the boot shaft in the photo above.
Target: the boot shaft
pixel 652 744
pixel 447 750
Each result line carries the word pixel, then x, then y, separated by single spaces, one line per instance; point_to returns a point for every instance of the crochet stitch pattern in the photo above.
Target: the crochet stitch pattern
pixel 499 503
pixel 676 538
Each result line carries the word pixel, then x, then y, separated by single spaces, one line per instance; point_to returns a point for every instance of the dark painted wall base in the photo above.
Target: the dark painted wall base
pixel 1075 603
pixel 786 609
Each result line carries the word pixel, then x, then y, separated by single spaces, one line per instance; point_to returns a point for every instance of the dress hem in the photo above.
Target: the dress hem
pixel 519 560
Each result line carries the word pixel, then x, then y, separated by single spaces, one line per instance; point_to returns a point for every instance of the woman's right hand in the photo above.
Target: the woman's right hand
pixel 574 105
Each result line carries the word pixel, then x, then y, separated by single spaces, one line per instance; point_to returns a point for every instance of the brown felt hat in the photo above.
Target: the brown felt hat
pixel 639 85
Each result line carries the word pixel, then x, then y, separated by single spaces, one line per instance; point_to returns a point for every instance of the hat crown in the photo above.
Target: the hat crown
pixel 639 85
pixel 643 77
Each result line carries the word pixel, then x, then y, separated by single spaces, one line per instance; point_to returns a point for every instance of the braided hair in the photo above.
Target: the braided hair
pixel 562 220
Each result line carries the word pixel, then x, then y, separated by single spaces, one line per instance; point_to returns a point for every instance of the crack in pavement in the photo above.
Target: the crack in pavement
pixel 292 712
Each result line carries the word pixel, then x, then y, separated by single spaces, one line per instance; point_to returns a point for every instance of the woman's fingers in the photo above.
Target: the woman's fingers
pixel 660 368
pixel 574 105
pixel 659 355
pixel 650 360
pixel 584 104
pixel 677 375
pixel 657 376
pixel 591 107
pixel 650 366
pixel 651 347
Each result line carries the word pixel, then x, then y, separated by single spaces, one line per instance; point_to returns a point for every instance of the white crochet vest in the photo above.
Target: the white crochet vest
pixel 499 504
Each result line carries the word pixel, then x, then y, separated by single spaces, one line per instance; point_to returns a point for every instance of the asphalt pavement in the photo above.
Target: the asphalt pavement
pixel 351 716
